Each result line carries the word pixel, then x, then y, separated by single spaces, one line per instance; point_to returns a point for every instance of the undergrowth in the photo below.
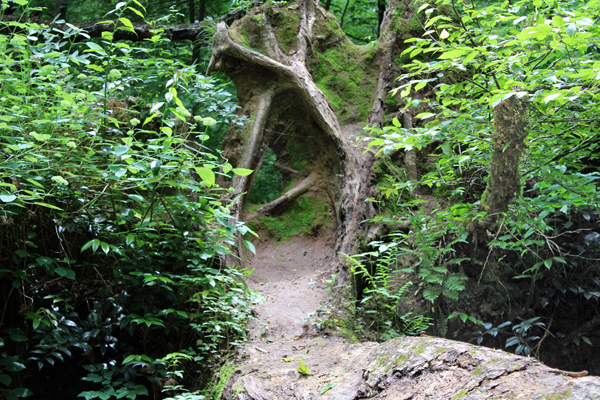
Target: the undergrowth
pixel 112 228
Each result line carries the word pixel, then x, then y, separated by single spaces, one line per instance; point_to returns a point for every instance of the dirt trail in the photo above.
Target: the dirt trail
pixel 289 279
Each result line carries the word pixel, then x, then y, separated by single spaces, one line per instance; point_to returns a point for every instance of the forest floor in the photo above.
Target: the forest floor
pixel 292 301
pixel 288 356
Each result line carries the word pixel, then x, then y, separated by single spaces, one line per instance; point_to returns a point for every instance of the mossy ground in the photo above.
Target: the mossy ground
pixel 305 216
pixel 224 375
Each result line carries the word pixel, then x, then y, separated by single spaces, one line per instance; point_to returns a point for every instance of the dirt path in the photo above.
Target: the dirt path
pixel 289 282
pixel 289 278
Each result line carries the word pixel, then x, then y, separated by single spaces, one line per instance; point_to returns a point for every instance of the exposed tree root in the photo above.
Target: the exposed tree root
pixel 290 195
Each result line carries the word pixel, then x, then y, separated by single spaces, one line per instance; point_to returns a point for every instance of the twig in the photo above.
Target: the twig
pixel 490 252
pixel 106 284
pixel 90 202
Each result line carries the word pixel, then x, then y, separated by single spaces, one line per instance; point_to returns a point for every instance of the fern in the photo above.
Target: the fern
pixel 432 292
pixel 442 323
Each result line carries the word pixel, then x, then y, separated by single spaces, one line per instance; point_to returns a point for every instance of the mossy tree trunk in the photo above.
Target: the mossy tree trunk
pixel 510 123
pixel 307 90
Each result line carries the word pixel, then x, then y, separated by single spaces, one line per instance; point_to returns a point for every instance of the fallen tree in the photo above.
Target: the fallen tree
pixel 415 368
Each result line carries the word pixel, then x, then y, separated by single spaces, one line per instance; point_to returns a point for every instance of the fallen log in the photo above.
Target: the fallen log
pixel 407 368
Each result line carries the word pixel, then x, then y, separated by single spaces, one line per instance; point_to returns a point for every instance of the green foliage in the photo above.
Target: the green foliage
pixel 267 186
pixel 360 18
pixel 394 189
pixel 378 270
pixel 520 336
pixel 472 59
pixel 303 368
pixel 113 228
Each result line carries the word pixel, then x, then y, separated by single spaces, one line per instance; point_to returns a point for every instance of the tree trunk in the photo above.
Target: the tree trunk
pixel 60 8
pixel 510 122
pixel 407 368
pixel 295 71
pixel 192 11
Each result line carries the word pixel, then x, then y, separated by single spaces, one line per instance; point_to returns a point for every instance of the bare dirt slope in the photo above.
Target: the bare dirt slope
pixel 289 280
pixel 291 276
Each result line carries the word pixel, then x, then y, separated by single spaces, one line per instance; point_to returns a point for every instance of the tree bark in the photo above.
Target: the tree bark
pixel 407 368
pixel 60 8
pixel 192 11
pixel 510 123
pixel 381 7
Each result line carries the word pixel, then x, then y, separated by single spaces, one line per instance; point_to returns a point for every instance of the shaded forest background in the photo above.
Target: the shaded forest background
pixel 116 199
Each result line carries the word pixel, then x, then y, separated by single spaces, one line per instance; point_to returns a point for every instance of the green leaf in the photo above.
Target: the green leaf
pixel 7 198
pixel 571 29
pixel 207 176
pixel 15 366
pixel 587 340
pixel 150 118
pixel 420 86
pixel 65 272
pixel 88 244
pixel 248 244
pixel 303 368
pixel 126 22
pixel 242 171
pixel 328 387
pixel 22 392
pixel 227 167
pixel 121 150
pixel 447 149
pixel 136 197
pixel 424 6
pixel 95 67
pixel 139 13
pixel 452 54
pixel 425 115
pixel 5 379
pixel 94 47
pixel 47 205
pixel 558 21
pixel 551 97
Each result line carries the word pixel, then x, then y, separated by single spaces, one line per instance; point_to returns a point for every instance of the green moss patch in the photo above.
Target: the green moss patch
pixel 286 24
pixel 246 32
pixel 305 216
pixel 224 375
pixel 343 71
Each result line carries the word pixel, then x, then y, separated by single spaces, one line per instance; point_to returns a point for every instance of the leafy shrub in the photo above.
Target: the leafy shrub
pixel 113 229
pixel 544 247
